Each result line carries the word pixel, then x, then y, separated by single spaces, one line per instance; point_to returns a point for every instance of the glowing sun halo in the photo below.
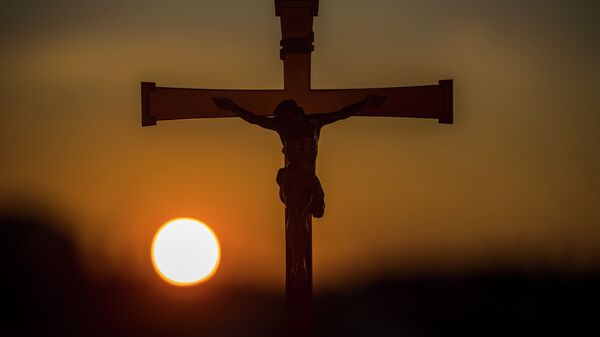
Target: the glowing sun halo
pixel 185 252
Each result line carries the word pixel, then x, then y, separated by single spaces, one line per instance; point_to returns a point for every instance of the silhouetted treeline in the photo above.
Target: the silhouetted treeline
pixel 46 293
pixel 495 303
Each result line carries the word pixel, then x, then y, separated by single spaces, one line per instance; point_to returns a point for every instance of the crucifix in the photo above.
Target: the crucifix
pixel 300 189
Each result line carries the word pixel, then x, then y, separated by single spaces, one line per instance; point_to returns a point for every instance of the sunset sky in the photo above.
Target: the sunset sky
pixel 514 181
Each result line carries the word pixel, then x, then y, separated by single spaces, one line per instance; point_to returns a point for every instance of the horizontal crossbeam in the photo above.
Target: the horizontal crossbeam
pixel 163 103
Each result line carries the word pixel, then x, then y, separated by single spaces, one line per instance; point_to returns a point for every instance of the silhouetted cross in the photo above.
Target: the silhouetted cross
pixel 430 101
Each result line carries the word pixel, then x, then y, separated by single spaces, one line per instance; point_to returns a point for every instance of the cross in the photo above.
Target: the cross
pixel 300 189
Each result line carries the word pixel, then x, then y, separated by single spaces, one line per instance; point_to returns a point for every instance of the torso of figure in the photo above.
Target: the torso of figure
pixel 300 138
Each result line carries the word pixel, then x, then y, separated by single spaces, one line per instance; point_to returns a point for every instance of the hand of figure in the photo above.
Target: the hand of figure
pixel 223 103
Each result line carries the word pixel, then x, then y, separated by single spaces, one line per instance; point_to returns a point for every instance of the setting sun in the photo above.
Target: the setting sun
pixel 185 252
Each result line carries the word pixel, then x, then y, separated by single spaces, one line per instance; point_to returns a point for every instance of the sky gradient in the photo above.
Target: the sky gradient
pixel 514 181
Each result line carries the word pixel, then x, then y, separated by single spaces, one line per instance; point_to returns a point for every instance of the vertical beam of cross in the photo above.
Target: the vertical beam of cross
pixel 296 44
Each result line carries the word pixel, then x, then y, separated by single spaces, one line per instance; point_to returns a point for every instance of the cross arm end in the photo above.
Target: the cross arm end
pixel 147 118
pixel 447 113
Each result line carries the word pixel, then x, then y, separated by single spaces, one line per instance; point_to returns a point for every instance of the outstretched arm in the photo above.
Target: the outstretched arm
pixel 228 104
pixel 350 110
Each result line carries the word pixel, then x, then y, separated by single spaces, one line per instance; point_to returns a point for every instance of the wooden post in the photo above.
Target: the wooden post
pixel 298 276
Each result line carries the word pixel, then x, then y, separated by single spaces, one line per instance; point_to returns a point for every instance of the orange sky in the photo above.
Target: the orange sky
pixel 514 181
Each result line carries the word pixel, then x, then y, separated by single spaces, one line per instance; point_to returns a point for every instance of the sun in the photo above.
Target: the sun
pixel 185 252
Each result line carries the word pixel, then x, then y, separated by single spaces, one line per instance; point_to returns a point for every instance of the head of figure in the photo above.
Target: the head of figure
pixel 288 109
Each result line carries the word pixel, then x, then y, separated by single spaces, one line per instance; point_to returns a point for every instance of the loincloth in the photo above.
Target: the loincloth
pixel 301 192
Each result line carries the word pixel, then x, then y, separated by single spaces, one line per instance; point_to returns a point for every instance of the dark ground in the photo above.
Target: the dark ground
pixel 48 294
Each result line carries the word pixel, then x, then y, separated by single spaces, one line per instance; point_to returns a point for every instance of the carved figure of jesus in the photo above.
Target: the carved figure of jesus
pixel 299 187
